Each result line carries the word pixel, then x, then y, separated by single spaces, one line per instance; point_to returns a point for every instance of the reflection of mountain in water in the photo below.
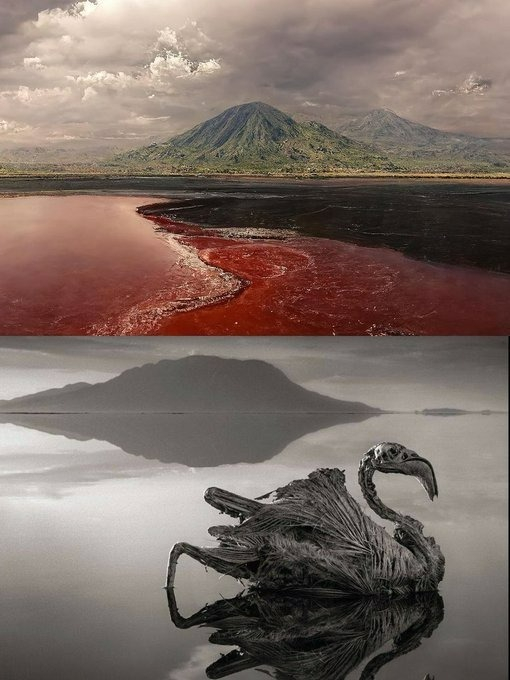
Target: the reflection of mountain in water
pixel 198 440
pixel 198 411
pixel 313 639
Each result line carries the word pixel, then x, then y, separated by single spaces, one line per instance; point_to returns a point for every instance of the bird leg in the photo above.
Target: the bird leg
pixel 178 620
pixel 231 503
pixel 210 614
pixel 233 662
pixel 216 558
pixel 198 619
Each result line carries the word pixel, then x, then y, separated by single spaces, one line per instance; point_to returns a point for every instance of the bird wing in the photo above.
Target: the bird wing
pixel 317 531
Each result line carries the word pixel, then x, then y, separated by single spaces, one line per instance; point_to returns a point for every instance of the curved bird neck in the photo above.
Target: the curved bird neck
pixel 408 531
pixel 365 478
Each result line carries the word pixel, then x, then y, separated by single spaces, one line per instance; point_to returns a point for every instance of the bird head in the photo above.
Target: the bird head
pixel 391 457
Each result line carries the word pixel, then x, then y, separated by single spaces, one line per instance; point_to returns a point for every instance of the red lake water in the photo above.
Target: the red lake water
pixel 85 264
pixel 73 265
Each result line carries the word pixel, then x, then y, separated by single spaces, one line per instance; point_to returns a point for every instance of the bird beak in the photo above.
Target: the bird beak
pixel 424 472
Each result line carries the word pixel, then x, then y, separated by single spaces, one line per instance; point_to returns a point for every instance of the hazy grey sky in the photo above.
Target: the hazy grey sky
pixel 124 71
pixel 402 373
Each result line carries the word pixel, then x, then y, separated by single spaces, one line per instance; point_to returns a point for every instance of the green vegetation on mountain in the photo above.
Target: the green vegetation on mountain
pixel 256 137
pixel 415 147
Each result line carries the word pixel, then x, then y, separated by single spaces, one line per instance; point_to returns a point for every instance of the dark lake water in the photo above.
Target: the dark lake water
pixel 86 529
pixel 452 221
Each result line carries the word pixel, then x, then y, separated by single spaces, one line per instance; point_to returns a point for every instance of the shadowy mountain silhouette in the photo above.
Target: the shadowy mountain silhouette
pixel 189 385
pixel 198 411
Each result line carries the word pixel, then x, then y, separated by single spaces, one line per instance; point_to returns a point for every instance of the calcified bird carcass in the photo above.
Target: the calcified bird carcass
pixel 314 535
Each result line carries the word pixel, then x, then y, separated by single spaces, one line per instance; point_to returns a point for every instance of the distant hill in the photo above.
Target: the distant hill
pixel 443 412
pixel 455 412
pixel 198 411
pixel 386 128
pixel 260 139
pixel 421 146
pixel 70 155
pixel 257 137
pixel 194 384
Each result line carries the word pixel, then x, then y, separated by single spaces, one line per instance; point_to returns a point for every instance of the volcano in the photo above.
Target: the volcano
pixel 257 137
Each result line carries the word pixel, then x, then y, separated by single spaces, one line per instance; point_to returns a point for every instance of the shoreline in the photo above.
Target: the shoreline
pixel 155 211
pixel 177 278
pixel 504 176
pixel 145 316
pixel 154 275
pixel 287 278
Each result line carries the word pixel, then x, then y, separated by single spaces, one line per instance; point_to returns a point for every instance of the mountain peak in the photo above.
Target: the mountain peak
pixel 238 127
pixel 254 107
pixel 386 128
pixel 243 112
pixel 382 117
pixel 382 114
pixel 419 146
pixel 257 136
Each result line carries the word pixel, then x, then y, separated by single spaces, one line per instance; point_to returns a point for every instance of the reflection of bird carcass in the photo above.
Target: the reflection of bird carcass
pixel 315 535
pixel 313 638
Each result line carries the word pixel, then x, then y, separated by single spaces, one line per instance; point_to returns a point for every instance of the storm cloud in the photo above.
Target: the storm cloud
pixel 128 71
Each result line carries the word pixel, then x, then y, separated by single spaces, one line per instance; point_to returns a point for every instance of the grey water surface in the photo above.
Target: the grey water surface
pixel 86 529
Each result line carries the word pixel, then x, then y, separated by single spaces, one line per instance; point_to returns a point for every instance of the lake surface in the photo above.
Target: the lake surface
pixel 86 530
pixel 452 221
pixel 360 257
pixel 73 265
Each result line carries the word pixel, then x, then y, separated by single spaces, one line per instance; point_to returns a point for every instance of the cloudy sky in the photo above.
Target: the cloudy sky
pixel 404 373
pixel 122 72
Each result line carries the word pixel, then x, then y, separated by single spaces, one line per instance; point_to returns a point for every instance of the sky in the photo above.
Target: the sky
pixel 123 72
pixel 394 373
